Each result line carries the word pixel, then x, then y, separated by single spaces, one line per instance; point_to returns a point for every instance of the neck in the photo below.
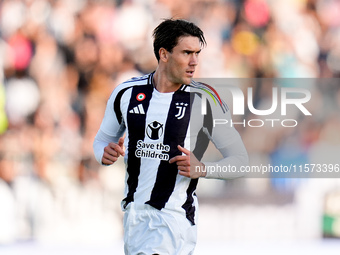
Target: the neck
pixel 162 83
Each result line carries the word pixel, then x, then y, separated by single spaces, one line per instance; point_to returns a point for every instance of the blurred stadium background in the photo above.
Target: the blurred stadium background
pixel 61 59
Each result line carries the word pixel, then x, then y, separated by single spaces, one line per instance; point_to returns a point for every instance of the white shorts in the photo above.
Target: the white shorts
pixel 149 231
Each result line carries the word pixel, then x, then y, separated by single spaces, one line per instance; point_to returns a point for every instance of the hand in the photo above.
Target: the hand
pixel 188 164
pixel 112 152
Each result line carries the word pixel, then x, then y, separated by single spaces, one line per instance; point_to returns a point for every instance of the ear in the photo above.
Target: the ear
pixel 163 55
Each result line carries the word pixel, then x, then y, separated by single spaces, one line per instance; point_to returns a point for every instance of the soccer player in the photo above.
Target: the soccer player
pixel 166 136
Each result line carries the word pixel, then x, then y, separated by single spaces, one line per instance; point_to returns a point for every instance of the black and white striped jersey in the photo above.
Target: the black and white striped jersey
pixel 155 123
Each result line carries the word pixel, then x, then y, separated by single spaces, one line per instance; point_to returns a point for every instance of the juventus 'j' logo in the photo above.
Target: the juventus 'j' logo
pixel 181 110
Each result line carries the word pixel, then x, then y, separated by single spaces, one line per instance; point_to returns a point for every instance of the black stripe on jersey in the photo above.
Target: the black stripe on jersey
pixel 202 141
pixel 136 131
pixel 188 205
pixel 174 134
pixel 116 105
pixel 201 146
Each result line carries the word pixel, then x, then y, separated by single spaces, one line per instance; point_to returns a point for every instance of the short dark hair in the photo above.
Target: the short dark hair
pixel 167 33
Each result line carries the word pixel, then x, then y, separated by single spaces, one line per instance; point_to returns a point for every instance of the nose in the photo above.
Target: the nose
pixel 193 60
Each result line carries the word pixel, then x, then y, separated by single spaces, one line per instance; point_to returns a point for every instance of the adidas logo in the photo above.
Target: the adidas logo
pixel 138 109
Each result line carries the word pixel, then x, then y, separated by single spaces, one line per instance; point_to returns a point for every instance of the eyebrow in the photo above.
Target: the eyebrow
pixel 191 51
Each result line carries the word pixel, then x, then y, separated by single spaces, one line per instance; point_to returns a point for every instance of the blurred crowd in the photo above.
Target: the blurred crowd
pixel 60 61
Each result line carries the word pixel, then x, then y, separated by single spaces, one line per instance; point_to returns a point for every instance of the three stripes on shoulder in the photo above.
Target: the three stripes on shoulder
pixel 138 109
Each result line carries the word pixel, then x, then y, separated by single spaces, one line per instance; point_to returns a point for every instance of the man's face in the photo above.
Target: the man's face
pixel 183 60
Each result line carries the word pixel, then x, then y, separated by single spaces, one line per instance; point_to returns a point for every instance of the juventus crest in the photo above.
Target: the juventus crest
pixel 181 110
